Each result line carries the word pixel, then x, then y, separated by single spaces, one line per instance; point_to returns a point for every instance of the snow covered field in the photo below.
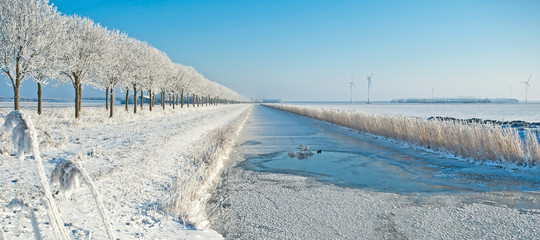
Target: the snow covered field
pixel 507 112
pixel 134 160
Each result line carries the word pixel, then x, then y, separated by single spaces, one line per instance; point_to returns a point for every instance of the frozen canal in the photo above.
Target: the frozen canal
pixel 362 187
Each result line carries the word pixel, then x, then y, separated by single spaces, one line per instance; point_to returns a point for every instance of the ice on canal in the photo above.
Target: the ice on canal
pixel 360 186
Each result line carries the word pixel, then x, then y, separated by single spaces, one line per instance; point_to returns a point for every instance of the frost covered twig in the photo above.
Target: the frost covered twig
pixel 69 175
pixel 25 141
pixel 19 203
pixel 2 237
pixel 22 135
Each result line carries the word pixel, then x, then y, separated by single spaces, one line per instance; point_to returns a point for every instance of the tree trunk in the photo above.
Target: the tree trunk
pixel 16 97
pixel 76 86
pixel 173 100
pixel 127 99
pixel 142 98
pixel 16 83
pixel 193 100
pixel 163 99
pixel 39 97
pixel 107 98
pixel 76 101
pixel 182 99
pixel 134 99
pixel 80 99
pixel 151 99
pixel 111 113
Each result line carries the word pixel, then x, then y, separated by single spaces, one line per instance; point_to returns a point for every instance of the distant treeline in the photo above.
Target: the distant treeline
pixel 455 100
pixel 35 99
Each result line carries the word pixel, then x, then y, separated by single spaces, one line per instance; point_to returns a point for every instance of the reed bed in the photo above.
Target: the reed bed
pixel 483 142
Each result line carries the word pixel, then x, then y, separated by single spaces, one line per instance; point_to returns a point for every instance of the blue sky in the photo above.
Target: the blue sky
pixel 308 50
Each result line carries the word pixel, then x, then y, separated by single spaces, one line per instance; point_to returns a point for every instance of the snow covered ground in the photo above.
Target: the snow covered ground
pixel 137 161
pixel 134 161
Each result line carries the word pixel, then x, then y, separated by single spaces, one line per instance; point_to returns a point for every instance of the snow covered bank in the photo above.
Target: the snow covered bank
pixel 196 182
pixel 134 160
pixel 484 142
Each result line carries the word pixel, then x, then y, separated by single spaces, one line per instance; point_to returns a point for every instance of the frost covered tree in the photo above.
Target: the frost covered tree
pixel 139 70
pixel 25 27
pixel 164 81
pixel 45 66
pixel 187 81
pixel 84 47
pixel 158 72
pixel 36 40
pixel 115 65
pixel 181 76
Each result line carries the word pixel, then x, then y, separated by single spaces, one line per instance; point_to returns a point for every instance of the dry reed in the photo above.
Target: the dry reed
pixel 484 142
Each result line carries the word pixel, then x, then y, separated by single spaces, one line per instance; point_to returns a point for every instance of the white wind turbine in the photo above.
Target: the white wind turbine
pixel 352 85
pixel 527 86
pixel 368 86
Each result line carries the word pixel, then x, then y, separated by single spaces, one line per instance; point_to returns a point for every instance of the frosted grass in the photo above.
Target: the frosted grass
pixel 194 185
pixel 483 142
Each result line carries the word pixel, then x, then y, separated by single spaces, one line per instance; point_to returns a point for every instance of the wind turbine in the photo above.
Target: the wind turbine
pixel 352 85
pixel 510 92
pixel 368 86
pixel 527 86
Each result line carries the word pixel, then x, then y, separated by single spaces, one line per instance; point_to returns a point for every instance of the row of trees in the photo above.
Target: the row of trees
pixel 40 43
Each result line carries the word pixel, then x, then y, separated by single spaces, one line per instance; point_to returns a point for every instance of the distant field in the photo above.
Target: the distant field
pixel 507 112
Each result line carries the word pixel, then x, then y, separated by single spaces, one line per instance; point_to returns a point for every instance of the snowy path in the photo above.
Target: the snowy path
pixel 266 200
pixel 134 162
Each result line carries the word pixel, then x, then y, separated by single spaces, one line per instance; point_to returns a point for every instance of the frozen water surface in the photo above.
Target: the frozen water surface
pixel 349 160
pixel 399 175
pixel 360 186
